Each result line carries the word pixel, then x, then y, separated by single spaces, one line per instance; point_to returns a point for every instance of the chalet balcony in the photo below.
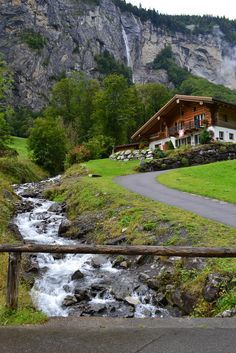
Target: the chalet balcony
pixel 158 136
pixel 187 127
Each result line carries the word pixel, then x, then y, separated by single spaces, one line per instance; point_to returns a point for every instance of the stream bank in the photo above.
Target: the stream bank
pixel 81 285
pixel 95 285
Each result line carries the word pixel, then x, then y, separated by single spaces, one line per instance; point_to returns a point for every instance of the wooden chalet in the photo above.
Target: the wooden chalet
pixel 182 119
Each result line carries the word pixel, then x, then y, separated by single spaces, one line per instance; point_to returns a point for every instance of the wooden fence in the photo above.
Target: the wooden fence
pixel 15 252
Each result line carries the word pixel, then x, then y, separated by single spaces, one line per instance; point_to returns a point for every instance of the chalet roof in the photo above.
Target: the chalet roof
pixel 170 104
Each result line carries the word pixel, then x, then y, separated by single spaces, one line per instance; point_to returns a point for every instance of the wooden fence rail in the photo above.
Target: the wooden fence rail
pixel 183 251
pixel 15 252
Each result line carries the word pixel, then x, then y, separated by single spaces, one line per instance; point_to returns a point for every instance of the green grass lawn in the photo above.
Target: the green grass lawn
pixel 110 168
pixel 215 180
pixel 20 145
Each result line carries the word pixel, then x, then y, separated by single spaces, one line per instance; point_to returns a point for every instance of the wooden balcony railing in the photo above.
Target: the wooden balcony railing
pixel 159 135
pixel 187 126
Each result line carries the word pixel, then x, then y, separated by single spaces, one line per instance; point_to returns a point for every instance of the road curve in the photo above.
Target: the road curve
pixel 146 184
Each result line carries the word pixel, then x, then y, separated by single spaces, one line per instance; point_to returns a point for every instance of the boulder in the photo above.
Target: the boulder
pixel 153 283
pixel 227 313
pixel 15 230
pixel 143 277
pixel 69 300
pixel 57 208
pixel 98 261
pixel 215 282
pixel 77 275
pixel 81 294
pixel 64 226
pixel 132 301
pixel 118 260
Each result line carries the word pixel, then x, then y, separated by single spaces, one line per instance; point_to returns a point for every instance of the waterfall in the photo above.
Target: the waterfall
pixel 127 48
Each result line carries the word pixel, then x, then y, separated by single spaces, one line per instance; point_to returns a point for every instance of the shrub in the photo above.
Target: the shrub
pixel 170 145
pixel 205 137
pixel 77 154
pixel 33 39
pixel 159 153
pixel 100 146
pixel 48 142
pixel 185 162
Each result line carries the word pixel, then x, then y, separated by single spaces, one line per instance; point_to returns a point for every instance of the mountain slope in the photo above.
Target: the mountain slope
pixel 43 40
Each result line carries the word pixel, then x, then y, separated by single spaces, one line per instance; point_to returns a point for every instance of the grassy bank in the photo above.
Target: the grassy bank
pixel 13 170
pixel 116 211
pixel 215 180
pixel 20 145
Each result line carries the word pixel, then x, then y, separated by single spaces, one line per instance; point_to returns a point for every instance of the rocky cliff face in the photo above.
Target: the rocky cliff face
pixel 74 31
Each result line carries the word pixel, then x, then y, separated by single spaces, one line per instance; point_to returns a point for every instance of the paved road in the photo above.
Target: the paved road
pixel 106 335
pixel 147 185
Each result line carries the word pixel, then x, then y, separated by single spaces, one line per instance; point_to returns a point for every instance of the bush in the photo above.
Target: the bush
pixel 185 162
pixel 48 142
pixel 33 39
pixel 77 154
pixel 100 146
pixel 159 153
pixel 205 137
pixel 170 145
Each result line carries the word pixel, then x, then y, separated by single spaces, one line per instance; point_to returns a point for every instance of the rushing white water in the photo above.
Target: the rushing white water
pixel 54 284
pixel 127 48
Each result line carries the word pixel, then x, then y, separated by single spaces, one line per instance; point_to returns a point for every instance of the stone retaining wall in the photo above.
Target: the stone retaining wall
pixel 203 154
pixel 132 155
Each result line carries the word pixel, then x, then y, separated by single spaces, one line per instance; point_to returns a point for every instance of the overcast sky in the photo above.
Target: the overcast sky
pixel 225 8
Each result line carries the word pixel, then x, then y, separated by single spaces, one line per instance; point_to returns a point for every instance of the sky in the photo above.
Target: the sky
pixel 225 8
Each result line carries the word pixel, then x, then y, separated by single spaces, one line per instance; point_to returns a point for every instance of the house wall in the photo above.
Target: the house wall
pixel 226 131
pixel 186 112
pixel 228 113
pixel 221 118
pixel 183 112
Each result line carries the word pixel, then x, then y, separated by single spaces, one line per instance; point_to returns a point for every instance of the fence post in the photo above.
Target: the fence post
pixel 13 280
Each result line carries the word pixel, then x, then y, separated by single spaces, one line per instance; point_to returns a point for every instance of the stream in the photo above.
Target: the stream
pixel 81 285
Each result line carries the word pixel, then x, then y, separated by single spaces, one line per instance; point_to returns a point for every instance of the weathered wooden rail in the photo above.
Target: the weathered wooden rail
pixel 15 252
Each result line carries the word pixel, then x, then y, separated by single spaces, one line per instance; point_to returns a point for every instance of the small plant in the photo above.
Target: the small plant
pixel 158 153
pixel 77 154
pixel 185 162
pixel 33 39
pixel 170 145
pixel 149 226
pixel 205 137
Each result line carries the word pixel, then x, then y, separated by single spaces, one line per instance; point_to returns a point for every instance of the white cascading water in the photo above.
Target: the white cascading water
pixel 54 284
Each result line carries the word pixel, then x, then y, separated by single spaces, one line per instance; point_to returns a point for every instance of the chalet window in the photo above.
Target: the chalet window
pixel 196 139
pixel 198 119
pixel 189 140
pixel 194 109
pixel 180 125
pixel 231 136
pixel 221 135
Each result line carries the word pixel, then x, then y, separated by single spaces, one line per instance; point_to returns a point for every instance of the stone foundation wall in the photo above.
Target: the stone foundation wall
pixel 132 155
pixel 203 154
